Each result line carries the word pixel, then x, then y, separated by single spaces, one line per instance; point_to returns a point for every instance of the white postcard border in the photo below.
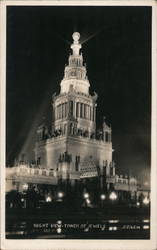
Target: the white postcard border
pixel 80 244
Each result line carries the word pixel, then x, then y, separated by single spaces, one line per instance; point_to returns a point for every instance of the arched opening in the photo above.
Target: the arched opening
pixel 71 107
pixel 106 136
pixel 81 110
pixel 77 109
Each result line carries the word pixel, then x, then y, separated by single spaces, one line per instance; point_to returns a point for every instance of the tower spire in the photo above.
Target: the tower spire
pixel 75 74
pixel 76 46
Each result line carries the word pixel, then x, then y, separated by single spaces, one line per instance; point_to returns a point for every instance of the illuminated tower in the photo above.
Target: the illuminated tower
pixel 74 142
pixel 74 108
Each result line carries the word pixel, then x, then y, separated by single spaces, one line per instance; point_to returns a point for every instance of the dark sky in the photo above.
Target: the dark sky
pixel 117 51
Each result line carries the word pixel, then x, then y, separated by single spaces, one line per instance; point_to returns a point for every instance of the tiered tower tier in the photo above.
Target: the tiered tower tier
pixel 74 108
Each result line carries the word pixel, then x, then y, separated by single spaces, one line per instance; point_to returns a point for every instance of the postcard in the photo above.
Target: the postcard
pixel 78 125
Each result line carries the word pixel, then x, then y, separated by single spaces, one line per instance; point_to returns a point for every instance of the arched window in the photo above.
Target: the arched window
pixel 90 113
pixel 104 170
pixel 71 107
pixel 88 117
pixel 71 128
pixel 38 160
pixel 85 110
pixel 81 110
pixel 59 107
pixel 111 171
pixel 64 128
pixel 106 136
pixel 66 108
pixel 77 109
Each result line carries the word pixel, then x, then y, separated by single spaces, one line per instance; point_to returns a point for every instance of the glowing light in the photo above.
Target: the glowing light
pixel 25 186
pixel 102 197
pixel 59 230
pixel 59 222
pixel 138 204
pixel 22 199
pixel 146 227
pixel 113 196
pixel 93 35
pixel 112 228
pixel 29 142
pixel 146 201
pixel 60 194
pixel 146 221
pixel 88 201
pixel 48 199
pixel 20 232
pixel 86 195
pixel 113 221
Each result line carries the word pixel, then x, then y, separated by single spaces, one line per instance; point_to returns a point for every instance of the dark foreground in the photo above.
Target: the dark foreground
pixel 88 223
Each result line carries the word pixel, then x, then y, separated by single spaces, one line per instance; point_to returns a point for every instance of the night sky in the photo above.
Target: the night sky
pixel 117 50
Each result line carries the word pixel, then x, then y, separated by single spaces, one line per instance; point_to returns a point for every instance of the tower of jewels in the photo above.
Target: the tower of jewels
pixel 73 151
pixel 76 149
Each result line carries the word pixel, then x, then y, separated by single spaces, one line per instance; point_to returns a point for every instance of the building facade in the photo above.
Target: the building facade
pixel 74 140
pixel 73 151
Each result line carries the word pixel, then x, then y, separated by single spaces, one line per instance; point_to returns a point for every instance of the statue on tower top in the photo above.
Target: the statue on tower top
pixel 76 46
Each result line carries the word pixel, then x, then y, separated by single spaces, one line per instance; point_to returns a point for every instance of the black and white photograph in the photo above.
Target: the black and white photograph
pixel 78 122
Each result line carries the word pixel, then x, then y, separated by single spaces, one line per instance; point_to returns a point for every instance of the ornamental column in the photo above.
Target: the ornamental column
pixel 62 111
pixel 82 110
pixel 94 114
pixel 74 109
pixel 57 112
pixel 88 115
pixel 91 108
pixel 66 109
